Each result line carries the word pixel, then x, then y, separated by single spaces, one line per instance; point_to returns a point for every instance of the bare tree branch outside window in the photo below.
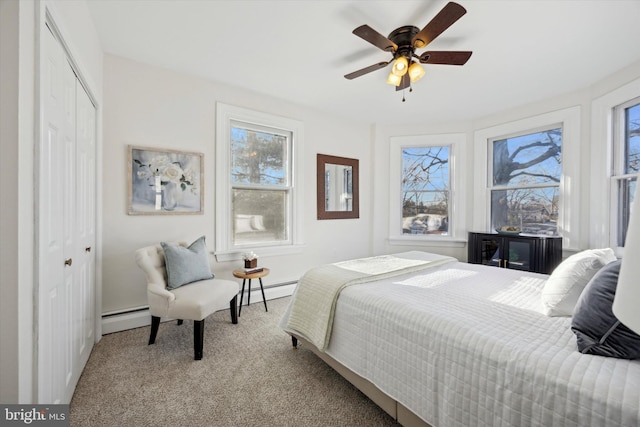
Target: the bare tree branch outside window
pixel 525 182
pixel 425 190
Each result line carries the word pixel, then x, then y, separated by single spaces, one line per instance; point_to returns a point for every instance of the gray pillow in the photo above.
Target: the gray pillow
pixel 597 329
pixel 186 265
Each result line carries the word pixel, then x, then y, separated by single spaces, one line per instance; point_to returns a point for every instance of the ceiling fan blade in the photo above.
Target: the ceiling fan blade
pixel 405 83
pixel 366 70
pixel 446 57
pixel 375 38
pixel 443 20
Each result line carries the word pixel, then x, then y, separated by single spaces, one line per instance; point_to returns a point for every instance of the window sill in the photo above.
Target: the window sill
pixel 443 242
pixel 222 256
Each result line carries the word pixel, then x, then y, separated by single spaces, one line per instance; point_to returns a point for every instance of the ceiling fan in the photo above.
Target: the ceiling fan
pixel 404 41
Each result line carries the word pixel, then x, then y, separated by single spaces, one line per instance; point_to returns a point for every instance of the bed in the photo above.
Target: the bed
pixel 442 343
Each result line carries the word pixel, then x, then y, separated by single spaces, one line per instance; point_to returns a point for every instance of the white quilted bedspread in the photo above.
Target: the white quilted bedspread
pixel 467 345
pixel 312 309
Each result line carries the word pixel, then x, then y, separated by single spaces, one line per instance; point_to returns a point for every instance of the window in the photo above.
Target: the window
pixel 525 181
pixel 425 190
pixel 427 207
pixel 626 165
pixel 614 140
pixel 257 191
pixel 260 184
pixel 527 174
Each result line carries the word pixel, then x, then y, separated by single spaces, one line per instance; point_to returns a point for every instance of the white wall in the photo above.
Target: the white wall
pixel 153 107
pixel 19 29
pixel 149 106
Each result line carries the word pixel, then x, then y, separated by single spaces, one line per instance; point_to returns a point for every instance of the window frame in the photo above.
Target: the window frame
pixel 569 207
pixel 226 116
pixel 618 172
pixel 603 221
pixel 457 217
pixel 491 161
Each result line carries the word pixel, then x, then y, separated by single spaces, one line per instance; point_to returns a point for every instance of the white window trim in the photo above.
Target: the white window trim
pixel 602 228
pixel 569 218
pixel 457 218
pixel 224 115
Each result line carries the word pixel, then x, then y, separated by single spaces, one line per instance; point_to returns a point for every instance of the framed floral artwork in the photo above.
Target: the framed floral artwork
pixel 165 182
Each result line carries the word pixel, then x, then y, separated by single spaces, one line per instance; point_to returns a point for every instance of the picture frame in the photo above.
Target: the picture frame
pixel 338 195
pixel 165 182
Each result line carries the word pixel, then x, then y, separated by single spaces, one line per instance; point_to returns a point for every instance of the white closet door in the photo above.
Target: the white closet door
pixel 55 268
pixel 66 232
pixel 69 234
pixel 84 310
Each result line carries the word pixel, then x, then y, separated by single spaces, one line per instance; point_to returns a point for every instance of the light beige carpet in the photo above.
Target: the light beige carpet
pixel 250 375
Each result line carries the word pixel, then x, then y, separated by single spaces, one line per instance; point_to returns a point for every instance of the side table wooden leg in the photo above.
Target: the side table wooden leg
pixel 249 294
pixel 263 298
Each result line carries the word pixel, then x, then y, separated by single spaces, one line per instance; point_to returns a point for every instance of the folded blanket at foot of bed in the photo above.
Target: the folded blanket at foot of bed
pixel 314 301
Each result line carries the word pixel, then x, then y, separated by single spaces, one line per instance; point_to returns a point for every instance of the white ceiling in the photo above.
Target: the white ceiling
pixel 523 51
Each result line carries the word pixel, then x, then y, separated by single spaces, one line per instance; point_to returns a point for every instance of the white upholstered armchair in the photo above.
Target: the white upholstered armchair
pixel 193 301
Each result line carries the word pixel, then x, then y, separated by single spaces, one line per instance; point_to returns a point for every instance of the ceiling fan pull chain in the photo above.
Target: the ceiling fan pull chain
pixel 410 90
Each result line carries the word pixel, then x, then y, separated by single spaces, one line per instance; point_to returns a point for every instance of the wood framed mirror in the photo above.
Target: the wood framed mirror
pixel 338 187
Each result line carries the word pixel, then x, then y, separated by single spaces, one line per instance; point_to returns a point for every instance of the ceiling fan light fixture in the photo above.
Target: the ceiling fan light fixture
pixel 416 72
pixel 394 79
pixel 402 43
pixel 400 66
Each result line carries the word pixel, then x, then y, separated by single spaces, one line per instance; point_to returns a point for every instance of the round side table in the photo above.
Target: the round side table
pixel 241 274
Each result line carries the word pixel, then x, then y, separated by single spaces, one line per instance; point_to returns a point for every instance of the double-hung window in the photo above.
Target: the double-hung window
pixel 425 190
pixel 524 181
pixel 260 184
pixel 527 176
pixel 626 165
pixel 427 201
pixel 258 195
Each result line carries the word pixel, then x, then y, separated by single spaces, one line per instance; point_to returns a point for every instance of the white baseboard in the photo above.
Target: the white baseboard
pixel 275 292
pixel 141 318
pixel 124 321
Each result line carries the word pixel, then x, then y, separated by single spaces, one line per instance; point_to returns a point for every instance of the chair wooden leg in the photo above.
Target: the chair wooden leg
pixel 233 306
pixel 198 338
pixel 242 296
pixel 155 323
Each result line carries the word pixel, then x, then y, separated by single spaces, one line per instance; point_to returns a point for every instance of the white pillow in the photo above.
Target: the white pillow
pixel 257 223
pixel 243 224
pixel 563 288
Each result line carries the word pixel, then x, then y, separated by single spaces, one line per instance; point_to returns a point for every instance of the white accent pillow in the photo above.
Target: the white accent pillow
pixel 563 288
